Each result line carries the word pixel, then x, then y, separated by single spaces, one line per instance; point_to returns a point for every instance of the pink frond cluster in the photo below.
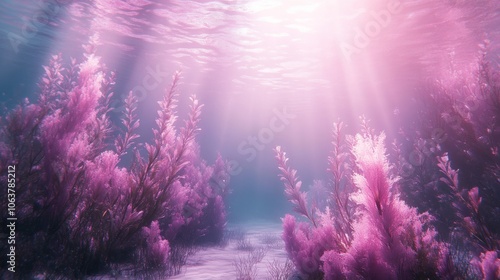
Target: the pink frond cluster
pixel 292 186
pixel 489 265
pixel 78 207
pixel 340 162
pixel 202 217
pixel 451 164
pixel 131 123
pixel 467 205
pixel 383 239
pixel 157 249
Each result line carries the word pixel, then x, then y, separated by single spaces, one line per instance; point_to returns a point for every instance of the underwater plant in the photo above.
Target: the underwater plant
pixel 383 238
pixel 280 271
pixel 453 167
pixel 372 226
pixel 78 209
pixel 489 264
pixel 202 217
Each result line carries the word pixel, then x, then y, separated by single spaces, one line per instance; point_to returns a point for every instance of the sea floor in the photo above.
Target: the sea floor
pixel 250 251
pixel 255 246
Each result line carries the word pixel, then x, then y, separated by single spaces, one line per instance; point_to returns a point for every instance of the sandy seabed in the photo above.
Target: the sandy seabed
pixel 216 263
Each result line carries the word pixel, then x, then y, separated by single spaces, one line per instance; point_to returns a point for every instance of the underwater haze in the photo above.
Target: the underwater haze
pixel 250 139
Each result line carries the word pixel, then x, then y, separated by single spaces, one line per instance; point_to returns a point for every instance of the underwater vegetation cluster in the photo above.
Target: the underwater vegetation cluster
pixel 365 233
pixel 90 197
pixel 429 209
